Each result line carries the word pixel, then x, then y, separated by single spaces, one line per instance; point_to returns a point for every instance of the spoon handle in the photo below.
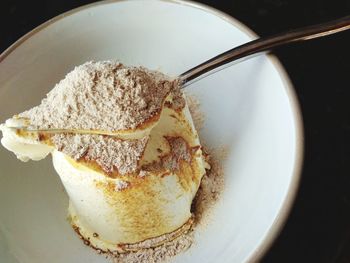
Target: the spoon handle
pixel 262 44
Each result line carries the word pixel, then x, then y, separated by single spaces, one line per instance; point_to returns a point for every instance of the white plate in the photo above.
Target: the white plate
pixel 250 107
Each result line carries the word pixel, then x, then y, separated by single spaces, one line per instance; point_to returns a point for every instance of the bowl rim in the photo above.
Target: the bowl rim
pixel 287 204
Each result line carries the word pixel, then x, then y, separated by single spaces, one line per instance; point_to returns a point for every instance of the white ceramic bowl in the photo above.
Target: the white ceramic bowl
pixel 250 108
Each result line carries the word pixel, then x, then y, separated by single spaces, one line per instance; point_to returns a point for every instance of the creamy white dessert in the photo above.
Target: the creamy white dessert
pixel 133 186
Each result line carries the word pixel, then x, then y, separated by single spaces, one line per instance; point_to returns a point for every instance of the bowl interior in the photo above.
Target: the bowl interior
pixel 247 110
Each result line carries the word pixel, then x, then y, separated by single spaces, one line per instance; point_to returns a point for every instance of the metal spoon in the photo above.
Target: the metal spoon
pixel 225 59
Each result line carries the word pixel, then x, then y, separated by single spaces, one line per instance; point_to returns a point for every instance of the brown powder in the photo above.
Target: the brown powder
pixel 158 254
pixel 179 151
pixel 108 152
pixel 143 173
pixel 211 186
pixel 212 183
pixel 153 250
pixel 121 185
pixel 160 240
pixel 178 102
pixel 102 96
pixel 198 116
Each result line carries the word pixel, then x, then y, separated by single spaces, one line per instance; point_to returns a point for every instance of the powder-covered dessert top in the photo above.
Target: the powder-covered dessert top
pixel 104 96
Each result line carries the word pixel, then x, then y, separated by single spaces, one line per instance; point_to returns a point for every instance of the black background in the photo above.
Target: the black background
pixel 318 229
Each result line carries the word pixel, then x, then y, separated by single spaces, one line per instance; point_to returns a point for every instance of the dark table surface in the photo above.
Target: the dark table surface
pixel 318 229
